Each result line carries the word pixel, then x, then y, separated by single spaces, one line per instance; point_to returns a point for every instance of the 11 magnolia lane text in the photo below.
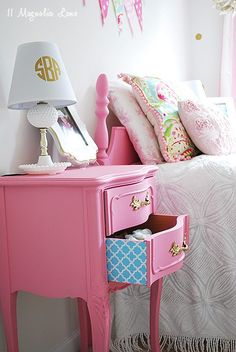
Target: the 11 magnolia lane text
pixel 31 15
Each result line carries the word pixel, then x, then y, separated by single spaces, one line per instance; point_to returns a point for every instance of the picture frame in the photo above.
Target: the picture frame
pixel 226 105
pixel 72 139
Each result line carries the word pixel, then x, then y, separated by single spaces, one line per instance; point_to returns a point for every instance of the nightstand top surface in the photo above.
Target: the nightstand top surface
pixel 90 175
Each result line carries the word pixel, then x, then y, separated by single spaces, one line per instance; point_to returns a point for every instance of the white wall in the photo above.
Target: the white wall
pixel 205 55
pixel 166 47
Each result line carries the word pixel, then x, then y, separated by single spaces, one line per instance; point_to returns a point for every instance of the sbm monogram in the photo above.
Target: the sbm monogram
pixel 47 69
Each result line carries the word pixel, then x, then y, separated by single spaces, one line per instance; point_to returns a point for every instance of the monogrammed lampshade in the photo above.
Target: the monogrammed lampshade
pixel 39 76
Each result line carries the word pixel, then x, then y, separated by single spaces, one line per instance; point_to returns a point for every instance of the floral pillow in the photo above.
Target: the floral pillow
pixel 140 131
pixel 160 103
pixel 209 128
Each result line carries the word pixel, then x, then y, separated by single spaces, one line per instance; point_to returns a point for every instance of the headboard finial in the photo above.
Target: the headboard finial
pixel 102 85
pixel 101 133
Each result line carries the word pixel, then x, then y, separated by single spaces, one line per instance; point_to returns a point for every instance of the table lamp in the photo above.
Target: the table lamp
pixel 40 84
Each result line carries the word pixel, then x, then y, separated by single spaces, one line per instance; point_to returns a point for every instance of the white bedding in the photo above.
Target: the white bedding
pixel 198 302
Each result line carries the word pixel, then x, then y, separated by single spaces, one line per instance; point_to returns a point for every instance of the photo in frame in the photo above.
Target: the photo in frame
pixel 226 105
pixel 72 138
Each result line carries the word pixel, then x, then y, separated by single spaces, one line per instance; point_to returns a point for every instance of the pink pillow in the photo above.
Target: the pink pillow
pixel 160 104
pixel 140 131
pixel 209 128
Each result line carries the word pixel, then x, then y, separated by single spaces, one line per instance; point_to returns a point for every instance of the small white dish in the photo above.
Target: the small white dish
pixel 35 169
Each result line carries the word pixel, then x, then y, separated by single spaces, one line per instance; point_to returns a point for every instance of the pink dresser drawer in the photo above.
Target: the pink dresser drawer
pixel 143 262
pixel 129 205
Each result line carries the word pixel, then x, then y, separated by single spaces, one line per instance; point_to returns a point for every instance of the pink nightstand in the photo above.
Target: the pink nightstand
pixel 53 242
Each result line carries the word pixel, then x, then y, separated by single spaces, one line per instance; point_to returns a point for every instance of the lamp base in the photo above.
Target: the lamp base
pixel 45 160
pixel 52 169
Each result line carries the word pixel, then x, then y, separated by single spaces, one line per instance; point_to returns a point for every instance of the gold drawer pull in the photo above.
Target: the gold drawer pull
pixel 136 204
pixel 175 249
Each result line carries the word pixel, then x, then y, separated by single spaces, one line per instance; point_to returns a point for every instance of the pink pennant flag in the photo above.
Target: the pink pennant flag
pixel 104 4
pixel 139 12
pixel 129 9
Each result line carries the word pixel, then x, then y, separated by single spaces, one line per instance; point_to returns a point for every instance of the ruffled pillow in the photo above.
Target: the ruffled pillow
pixel 160 103
pixel 210 130
pixel 140 131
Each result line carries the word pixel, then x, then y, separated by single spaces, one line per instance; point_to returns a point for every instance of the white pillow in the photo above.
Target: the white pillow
pixel 140 131
pixel 208 127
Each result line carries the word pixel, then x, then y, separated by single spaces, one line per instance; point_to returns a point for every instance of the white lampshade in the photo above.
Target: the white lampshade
pixel 39 76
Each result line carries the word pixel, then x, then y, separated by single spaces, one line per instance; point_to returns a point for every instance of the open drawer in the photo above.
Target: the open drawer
pixel 143 262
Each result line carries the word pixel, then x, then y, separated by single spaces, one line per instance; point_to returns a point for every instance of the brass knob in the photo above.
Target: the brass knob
pixel 136 204
pixel 176 249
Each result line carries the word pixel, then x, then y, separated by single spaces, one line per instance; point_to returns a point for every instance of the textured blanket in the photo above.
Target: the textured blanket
pixel 198 307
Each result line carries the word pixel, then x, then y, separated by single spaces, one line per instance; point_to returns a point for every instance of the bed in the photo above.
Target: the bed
pixel 198 307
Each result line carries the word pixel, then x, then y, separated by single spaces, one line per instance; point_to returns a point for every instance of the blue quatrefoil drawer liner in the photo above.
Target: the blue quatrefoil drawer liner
pixel 126 261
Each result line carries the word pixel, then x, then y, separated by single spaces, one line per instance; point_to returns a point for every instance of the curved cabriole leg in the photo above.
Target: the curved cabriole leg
pixel 85 327
pixel 155 300
pixel 9 320
pixel 99 311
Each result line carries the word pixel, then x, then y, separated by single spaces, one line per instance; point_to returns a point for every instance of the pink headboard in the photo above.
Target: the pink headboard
pixel 115 149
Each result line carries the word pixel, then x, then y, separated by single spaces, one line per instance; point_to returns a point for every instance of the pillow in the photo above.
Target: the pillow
pixel 208 127
pixel 160 103
pixel 140 131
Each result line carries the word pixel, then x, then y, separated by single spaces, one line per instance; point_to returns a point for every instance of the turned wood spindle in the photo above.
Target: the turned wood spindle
pixel 101 134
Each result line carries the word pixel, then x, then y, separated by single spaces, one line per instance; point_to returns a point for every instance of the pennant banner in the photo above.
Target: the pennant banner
pixel 119 12
pixel 104 4
pixel 139 11
pixel 129 7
